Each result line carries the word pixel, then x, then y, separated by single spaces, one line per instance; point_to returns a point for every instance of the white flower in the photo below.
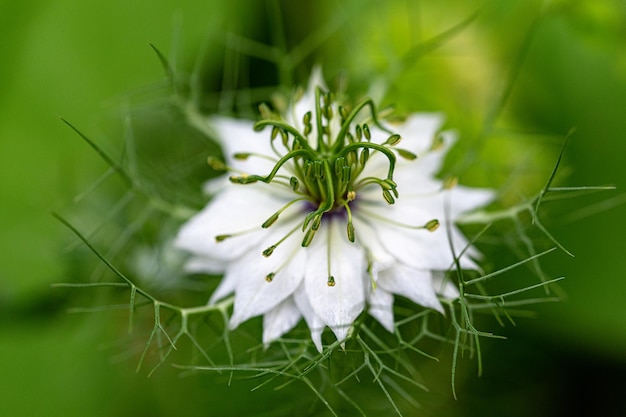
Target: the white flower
pixel 327 217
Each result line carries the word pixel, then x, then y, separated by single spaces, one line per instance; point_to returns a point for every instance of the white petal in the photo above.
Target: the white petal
pixel 254 295
pixel 313 321
pixel 464 199
pixel 413 180
pixel 405 245
pixel 366 236
pixel 402 260
pixel 418 131
pixel 280 320
pixel 414 284
pixel 238 208
pixel 238 136
pixel 381 308
pixel 420 248
pixel 307 102
pixel 226 286
pixel 216 185
pixel 429 161
pixel 338 306
pixel 205 265
pixel 444 286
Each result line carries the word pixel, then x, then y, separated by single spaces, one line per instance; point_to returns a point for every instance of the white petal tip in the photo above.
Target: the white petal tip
pixel 317 341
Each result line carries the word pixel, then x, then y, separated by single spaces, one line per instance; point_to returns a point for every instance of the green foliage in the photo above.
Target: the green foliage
pixel 513 77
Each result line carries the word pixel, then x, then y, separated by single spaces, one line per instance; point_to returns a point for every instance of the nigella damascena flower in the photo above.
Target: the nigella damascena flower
pixel 330 214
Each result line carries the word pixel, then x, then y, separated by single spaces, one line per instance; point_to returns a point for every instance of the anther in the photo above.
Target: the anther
pixel 267 252
pixel 351 158
pixel 331 281
pixel 346 174
pixel 308 237
pixel 351 195
pixel 386 184
pixel 390 183
pixel 450 182
pixel 270 277
pixel 406 154
pixel 265 111
pixel 317 169
pixel 243 179
pixel 339 164
pixel 388 197
pixel 365 154
pixel 241 156
pixel 350 231
pixel 294 183
pixel 317 221
pixel 285 138
pixel 393 140
pixel 308 169
pixel 216 163
pixel 366 131
pixel 432 225
pixel 438 142
pixel 221 238
pixel 343 113
pixel 271 220
pixel 327 99
pixel 328 112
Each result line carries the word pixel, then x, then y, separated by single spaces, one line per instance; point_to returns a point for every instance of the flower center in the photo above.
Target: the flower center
pixel 324 161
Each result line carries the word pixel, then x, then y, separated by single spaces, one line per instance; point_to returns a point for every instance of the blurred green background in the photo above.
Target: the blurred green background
pixel 565 64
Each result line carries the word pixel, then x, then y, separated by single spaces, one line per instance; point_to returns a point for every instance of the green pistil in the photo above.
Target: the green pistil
pixel 388 153
pixel 318 120
pixel 285 129
pixel 326 174
pixel 347 121
pixel 254 178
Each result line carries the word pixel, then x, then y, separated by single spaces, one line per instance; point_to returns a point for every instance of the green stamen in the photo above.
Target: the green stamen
pixel 272 219
pixel 325 172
